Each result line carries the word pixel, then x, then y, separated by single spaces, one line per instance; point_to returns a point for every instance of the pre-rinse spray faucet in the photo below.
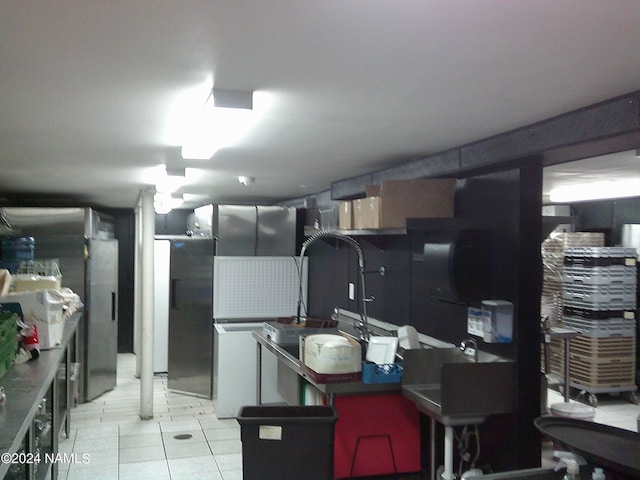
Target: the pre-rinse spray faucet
pixel 363 325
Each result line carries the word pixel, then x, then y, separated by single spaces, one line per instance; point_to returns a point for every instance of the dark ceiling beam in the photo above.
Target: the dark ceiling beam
pixel 607 127
pixel 42 200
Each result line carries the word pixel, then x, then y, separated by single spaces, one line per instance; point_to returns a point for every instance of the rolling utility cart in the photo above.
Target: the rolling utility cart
pixel 599 300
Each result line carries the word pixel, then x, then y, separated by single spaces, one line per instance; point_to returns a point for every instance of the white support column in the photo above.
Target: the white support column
pixel 147 281
pixel 137 278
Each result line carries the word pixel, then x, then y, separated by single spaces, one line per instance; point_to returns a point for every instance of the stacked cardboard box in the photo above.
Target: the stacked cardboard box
pixel 390 204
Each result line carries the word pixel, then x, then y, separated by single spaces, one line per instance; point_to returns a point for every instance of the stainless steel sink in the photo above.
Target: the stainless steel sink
pixel 450 386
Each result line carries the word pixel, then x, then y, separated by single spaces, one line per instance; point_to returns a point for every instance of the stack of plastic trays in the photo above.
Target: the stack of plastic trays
pixel 599 300
pixel 551 300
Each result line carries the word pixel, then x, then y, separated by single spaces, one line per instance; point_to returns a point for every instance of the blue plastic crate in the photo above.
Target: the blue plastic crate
pixel 385 373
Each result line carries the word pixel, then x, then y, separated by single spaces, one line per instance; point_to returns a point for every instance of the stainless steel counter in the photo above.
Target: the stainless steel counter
pixel 26 385
pixel 287 356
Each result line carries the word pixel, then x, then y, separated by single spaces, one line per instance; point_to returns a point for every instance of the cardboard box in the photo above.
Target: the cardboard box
pixel 397 200
pixel 345 216
pixel 329 218
pixel 366 213
pixel 359 217
pixel 44 309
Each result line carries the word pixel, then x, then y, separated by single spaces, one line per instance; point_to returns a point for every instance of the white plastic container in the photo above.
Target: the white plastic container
pixel 573 410
pixel 331 354
pixel 573 470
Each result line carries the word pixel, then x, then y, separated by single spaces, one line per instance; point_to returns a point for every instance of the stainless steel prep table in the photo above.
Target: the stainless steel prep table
pixel 26 385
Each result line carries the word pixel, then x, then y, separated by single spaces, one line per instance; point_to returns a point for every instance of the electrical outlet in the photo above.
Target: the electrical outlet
pixel 352 291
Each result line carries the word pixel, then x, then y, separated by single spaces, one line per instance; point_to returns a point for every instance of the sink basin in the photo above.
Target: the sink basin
pixel 450 386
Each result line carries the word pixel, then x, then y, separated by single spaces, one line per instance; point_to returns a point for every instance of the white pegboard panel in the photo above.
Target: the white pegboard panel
pixel 257 287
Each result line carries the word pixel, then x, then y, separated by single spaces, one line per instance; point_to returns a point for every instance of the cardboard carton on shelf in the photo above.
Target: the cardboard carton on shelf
pixel 345 215
pixel 366 213
pixel 390 204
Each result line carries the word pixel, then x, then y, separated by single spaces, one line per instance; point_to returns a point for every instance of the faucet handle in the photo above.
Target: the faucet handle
pixel 470 343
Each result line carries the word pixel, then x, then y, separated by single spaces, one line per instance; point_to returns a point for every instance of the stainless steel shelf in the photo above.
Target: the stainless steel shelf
pixel 309 231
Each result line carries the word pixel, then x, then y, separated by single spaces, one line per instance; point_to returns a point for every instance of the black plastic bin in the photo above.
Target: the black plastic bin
pixel 287 443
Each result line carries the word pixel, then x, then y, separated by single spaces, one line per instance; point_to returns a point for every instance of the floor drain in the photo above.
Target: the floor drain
pixel 183 436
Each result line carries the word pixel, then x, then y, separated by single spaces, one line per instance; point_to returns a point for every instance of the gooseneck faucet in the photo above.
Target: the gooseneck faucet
pixel 363 325
pixel 470 343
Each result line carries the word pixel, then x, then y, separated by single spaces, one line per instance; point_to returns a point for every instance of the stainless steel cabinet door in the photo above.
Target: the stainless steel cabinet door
pixel 190 353
pixel 101 350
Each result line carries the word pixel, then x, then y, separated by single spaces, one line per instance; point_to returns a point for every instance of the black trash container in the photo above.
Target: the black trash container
pixel 287 443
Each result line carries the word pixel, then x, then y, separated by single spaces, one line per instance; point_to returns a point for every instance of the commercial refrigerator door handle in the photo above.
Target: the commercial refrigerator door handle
pixel 174 283
pixel 113 306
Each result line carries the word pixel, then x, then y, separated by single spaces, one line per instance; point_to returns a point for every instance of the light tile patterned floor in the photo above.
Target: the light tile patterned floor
pixel 615 410
pixel 120 446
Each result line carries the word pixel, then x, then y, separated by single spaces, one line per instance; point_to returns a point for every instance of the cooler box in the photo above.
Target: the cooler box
pixel 44 309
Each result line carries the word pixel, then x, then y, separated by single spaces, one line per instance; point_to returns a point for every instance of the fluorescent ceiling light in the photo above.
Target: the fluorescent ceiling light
pixel 168 180
pixel 224 118
pixel 246 180
pixel 165 202
pixel 596 191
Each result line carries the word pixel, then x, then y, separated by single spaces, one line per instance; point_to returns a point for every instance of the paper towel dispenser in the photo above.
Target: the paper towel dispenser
pixel 456 264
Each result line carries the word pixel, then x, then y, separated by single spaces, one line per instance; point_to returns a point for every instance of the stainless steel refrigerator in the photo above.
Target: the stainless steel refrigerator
pixel 252 230
pixel 83 241
pixel 220 230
